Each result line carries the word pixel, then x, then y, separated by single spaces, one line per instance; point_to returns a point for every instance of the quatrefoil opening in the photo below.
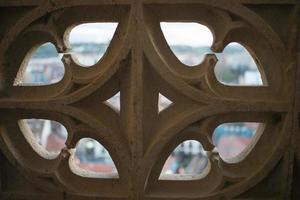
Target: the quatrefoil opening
pixel 46 137
pixel 89 42
pixel 91 159
pixel 236 67
pixel 191 42
pixel 41 66
pixel 188 161
pixel 188 41
pixel 234 141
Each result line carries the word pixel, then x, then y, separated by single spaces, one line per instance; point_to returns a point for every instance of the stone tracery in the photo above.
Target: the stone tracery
pixel 140 66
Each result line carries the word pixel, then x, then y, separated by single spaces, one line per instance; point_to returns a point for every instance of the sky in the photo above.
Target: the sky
pixel 192 34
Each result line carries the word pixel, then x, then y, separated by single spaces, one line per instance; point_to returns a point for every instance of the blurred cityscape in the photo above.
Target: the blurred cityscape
pixel 235 67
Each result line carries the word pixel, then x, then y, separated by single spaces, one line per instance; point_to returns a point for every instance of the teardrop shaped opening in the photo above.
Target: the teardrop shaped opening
pixel 188 41
pixel 41 66
pixel 189 161
pixel 89 42
pixel 234 141
pixel 46 137
pixel 236 67
pixel 91 159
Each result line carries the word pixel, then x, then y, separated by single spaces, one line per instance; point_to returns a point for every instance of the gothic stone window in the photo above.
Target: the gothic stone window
pixel 138 69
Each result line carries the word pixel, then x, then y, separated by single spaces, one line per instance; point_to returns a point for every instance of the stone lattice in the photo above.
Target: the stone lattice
pixel 140 65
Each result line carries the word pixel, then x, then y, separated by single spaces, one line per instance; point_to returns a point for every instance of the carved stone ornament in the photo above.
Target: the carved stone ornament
pixel 140 65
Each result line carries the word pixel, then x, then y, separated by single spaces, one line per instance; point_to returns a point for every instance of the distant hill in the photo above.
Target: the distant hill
pixel 48 50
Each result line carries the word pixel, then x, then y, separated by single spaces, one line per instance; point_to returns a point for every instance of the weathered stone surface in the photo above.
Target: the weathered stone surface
pixel 140 65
